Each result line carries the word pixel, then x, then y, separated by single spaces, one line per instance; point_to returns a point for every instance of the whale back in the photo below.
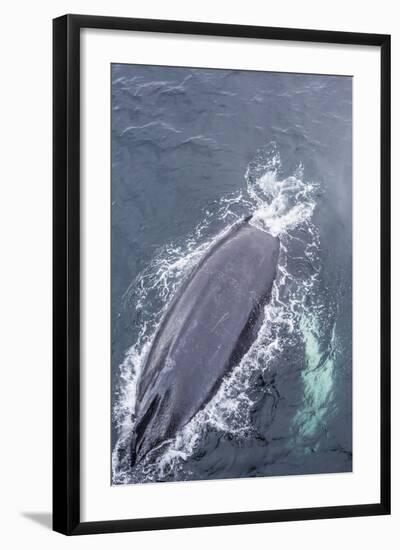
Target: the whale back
pixel 208 327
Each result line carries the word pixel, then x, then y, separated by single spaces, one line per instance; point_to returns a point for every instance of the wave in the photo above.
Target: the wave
pixel 282 205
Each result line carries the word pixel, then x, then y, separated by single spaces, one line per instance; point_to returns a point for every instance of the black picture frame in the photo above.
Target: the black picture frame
pixel 66 273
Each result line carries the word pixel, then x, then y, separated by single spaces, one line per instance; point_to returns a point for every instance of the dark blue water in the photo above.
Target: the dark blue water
pixel 193 151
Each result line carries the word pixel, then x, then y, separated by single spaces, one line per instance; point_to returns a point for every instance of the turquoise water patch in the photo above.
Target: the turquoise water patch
pixel 318 380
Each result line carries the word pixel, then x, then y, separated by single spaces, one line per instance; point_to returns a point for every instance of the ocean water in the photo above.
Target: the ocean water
pixel 193 152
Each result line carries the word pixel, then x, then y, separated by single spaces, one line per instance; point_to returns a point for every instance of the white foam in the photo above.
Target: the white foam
pixel 277 205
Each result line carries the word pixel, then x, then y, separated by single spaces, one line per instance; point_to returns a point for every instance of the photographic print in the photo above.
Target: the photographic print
pixel 231 274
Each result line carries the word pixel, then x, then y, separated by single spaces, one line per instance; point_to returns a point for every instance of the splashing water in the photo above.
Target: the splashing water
pixel 282 206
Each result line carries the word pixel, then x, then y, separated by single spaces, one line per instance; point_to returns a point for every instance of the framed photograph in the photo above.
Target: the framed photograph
pixel 221 274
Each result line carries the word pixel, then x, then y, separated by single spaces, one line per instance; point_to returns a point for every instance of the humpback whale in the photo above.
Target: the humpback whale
pixel 209 325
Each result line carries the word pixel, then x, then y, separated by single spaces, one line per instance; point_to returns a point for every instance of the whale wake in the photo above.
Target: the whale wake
pixel 297 335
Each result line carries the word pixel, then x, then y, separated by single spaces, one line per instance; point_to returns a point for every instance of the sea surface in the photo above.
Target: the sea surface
pixel 193 152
